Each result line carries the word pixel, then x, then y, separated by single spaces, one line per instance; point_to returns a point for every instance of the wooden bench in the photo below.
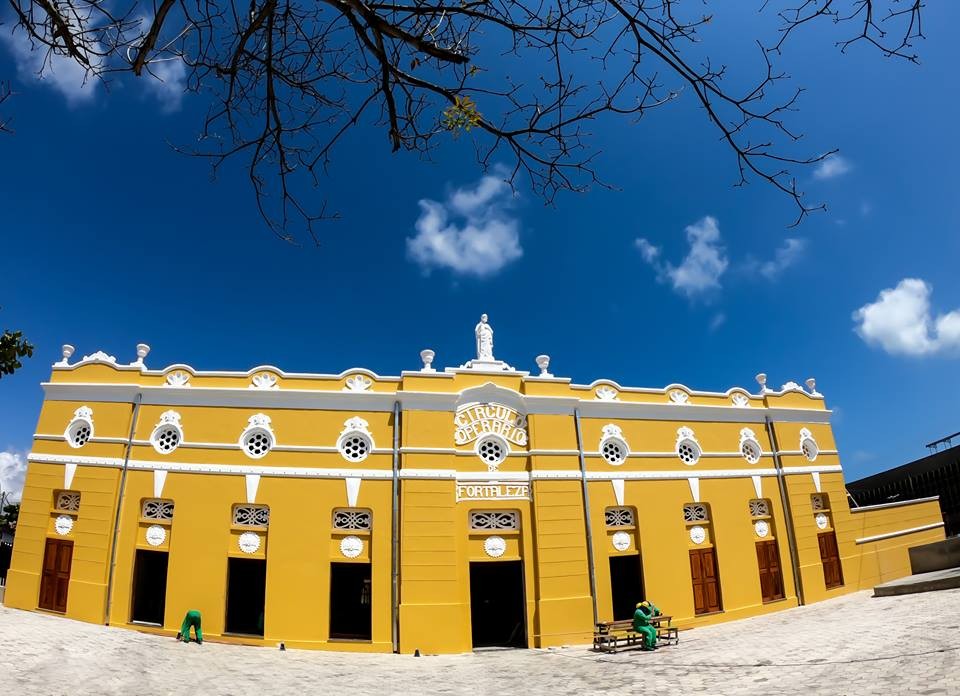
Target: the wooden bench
pixel 610 635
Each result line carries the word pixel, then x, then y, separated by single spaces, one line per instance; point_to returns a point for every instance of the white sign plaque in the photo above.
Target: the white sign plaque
pixel 492 490
pixel 474 420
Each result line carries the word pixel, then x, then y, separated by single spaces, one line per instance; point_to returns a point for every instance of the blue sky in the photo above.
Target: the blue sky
pixel 110 238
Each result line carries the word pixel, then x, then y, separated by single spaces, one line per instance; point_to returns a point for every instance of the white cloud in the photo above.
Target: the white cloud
pixel 472 233
pixel 13 469
pixel 717 321
pixel 831 167
pixel 900 322
pixel 58 72
pixel 784 257
pixel 167 80
pixel 704 264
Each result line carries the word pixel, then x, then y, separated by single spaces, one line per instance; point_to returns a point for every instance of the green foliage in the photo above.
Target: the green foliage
pixel 461 115
pixel 13 346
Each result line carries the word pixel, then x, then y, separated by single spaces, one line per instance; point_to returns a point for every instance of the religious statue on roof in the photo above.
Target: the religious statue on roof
pixel 484 333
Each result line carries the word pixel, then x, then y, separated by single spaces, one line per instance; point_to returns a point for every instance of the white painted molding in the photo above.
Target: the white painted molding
pixel 816 480
pixel 159 479
pixel 694 488
pixel 353 490
pixel 757 485
pixel 898 503
pixel 899 532
pixel 253 483
pixel 69 471
pixel 618 491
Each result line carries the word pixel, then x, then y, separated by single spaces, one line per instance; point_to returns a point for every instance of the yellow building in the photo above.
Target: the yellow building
pixel 437 510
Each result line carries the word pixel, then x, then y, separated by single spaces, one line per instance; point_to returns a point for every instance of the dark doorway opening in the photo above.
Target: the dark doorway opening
pixel 626 585
pixel 497 607
pixel 350 601
pixel 246 591
pixel 149 587
pixel 55 581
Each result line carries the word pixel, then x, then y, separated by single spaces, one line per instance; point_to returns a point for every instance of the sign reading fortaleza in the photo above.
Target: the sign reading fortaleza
pixel 474 420
pixel 492 490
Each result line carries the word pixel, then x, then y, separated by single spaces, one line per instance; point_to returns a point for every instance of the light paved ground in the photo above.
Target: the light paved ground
pixel 853 645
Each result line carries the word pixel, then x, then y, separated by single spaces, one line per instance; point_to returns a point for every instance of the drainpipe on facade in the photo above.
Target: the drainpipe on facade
pixel 586 515
pixel 116 520
pixel 395 532
pixel 787 512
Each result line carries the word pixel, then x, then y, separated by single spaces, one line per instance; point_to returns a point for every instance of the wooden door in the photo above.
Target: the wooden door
pixel 830 558
pixel 706 581
pixel 57 559
pixel 771 575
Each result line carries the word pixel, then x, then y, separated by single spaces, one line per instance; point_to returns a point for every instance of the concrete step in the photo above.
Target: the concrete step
pixel 921 582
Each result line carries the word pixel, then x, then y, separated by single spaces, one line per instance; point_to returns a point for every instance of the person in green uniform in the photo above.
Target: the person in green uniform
pixel 191 619
pixel 641 624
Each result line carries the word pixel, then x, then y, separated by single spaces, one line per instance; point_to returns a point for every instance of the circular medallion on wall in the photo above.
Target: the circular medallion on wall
pixel 621 541
pixel 351 546
pixel 495 546
pixel 822 521
pixel 63 524
pixel 761 528
pixel 156 535
pixel 249 542
pixel 698 534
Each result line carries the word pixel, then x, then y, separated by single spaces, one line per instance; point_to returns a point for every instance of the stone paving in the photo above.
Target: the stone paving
pixel 856 644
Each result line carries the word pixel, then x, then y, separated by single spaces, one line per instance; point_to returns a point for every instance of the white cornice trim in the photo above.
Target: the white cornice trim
pixel 898 503
pixel 899 532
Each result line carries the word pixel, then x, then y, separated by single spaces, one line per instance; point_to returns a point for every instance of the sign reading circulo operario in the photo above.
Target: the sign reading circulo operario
pixel 475 420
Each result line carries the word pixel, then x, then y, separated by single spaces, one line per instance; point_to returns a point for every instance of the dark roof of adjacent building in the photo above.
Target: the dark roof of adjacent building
pixel 931 462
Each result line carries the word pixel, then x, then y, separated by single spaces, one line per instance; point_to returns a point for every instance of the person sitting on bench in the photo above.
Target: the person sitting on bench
pixel 646 610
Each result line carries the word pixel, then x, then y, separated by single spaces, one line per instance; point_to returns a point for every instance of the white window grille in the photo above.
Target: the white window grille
pixel 257 438
pixel 251 515
pixel 492 450
pixel 619 517
pixel 688 449
pixel 355 442
pixel 80 429
pixel 819 501
pixel 613 447
pixel 68 501
pixel 168 434
pixel 808 445
pixel 759 508
pixel 695 512
pixel 157 509
pixel 353 519
pixel 494 519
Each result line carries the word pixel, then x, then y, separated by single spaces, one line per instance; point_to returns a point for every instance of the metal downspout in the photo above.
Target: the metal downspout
pixel 586 516
pixel 116 520
pixel 787 512
pixel 395 531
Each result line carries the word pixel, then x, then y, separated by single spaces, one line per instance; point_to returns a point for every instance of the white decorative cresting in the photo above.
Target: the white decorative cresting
pixel 687 447
pixel 613 447
pixel 355 442
pixel 249 542
pixel 65 351
pixel 762 381
pixel 791 386
pixel 606 393
pixel 80 429
pixel 351 546
pixel 740 400
pixel 63 524
pixel 167 434
pixel 620 541
pixel 178 379
pixel 750 446
pixel 100 356
pixel 156 535
pixel 678 396
pixel 263 380
pixel 143 350
pixel 257 438
pixel 698 534
pixel 427 355
pixel 822 520
pixel 357 383
pixel 761 528
pixel 812 387
pixel 543 362
pixel 494 546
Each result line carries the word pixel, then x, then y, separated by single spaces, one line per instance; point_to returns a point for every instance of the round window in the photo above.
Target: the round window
pixel 355 447
pixel 79 433
pixel 613 451
pixel 809 449
pixel 688 452
pixel 492 450
pixel 165 440
pixel 750 451
pixel 257 443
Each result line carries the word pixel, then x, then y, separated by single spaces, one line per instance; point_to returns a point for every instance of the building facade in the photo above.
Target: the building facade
pixel 437 510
